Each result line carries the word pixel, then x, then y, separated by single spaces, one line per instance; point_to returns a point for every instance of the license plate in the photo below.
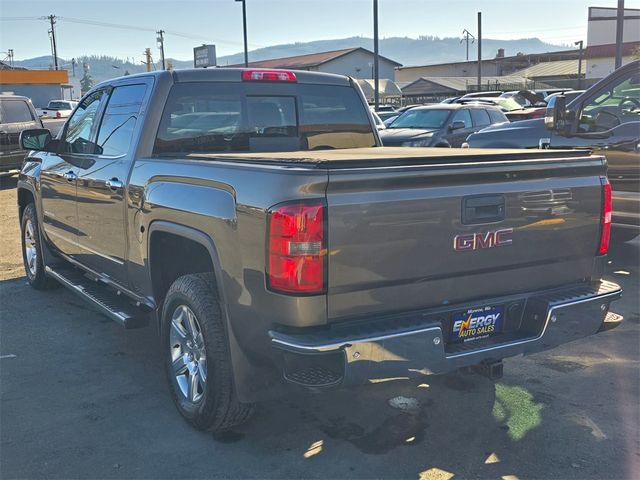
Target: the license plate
pixel 476 323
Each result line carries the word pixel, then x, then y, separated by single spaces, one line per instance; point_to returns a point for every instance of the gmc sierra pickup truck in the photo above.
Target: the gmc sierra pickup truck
pixel 255 219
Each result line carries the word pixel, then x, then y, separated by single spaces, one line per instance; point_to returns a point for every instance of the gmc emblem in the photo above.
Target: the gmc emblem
pixel 477 241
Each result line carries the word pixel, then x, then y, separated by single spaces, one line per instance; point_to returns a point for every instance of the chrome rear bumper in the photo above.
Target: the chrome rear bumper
pixel 355 355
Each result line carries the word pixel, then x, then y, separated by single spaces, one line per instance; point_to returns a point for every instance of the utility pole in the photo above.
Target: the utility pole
pixel 479 49
pixel 147 56
pixel 619 33
pixel 376 59
pixel 161 45
pixel 467 34
pixel 52 19
pixel 244 30
pixel 73 66
pixel 580 43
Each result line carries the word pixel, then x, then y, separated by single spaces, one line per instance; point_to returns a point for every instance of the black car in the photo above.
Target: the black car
pixel 604 119
pixel 16 114
pixel 440 125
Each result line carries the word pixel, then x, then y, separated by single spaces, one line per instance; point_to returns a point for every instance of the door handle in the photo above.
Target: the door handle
pixel 114 184
pixel 70 176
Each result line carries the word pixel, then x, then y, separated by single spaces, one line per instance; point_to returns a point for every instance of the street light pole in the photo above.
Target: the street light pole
pixel 376 60
pixel 619 33
pixel 244 29
pixel 580 43
pixel 161 42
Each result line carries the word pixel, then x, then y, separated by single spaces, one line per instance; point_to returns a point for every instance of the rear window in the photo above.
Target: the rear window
pixel 497 116
pixel 16 111
pixel 213 117
pixel 59 106
pixel 480 117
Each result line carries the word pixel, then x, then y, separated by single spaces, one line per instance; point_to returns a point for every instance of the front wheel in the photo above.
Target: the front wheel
pixel 197 358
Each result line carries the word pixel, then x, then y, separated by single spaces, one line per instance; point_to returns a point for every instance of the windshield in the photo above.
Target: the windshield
pixel 424 119
pixel 237 117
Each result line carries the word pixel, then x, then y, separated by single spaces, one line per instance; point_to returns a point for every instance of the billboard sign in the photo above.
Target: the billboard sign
pixel 204 56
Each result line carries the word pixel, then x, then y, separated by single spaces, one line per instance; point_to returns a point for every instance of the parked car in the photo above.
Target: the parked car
pixel 511 108
pixel 385 108
pixel 390 120
pixel 439 125
pixel 253 218
pixel 605 119
pixel 16 114
pixel 58 109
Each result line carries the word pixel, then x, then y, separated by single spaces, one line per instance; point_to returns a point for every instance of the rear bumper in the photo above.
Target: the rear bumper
pixel 403 347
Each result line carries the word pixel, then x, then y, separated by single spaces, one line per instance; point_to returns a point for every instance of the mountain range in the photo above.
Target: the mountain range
pixel 408 51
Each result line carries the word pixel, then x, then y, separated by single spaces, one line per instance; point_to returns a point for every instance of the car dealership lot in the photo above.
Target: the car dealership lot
pixel 81 397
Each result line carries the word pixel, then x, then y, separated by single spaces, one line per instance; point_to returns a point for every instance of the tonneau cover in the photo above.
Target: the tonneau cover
pixel 389 156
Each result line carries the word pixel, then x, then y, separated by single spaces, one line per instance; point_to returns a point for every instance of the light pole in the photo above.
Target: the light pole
pixel 376 62
pixel 244 28
pixel 580 43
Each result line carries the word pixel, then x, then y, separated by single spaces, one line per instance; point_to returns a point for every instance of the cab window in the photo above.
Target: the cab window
pixel 119 121
pixel 618 104
pixel 463 116
pixel 81 127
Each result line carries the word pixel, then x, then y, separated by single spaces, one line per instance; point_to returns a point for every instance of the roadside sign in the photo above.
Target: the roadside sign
pixel 204 56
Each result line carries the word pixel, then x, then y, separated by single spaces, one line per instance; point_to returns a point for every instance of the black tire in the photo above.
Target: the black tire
pixel 218 408
pixel 34 266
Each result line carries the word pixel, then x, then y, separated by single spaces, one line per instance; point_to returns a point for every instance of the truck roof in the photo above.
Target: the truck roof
pixel 234 75
pixel 391 156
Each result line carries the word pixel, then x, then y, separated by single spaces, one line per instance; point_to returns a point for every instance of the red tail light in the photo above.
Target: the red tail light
pixel 606 217
pixel 296 251
pixel 269 76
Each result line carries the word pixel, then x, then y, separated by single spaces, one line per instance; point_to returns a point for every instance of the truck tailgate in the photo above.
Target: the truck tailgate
pixel 392 231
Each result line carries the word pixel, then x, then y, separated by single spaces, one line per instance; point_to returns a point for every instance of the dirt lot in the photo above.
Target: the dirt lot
pixel 82 398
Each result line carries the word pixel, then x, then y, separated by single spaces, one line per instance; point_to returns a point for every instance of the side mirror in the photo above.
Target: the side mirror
pixel 555 117
pixel 457 125
pixel 37 139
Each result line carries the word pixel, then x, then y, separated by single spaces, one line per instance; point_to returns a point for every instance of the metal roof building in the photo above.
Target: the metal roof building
pixel 353 62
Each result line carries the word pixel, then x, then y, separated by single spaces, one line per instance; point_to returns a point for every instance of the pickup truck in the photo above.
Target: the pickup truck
pixel 254 218
pixel 605 119
pixel 16 114
pixel 58 109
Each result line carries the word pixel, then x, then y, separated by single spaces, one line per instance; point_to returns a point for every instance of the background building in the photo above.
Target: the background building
pixel 39 85
pixel 601 40
pixel 354 62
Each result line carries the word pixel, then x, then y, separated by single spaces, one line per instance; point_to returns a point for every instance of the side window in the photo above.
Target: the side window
pixel 16 111
pixel 119 120
pixel 497 116
pixel 480 117
pixel 82 125
pixel 463 116
pixel 618 104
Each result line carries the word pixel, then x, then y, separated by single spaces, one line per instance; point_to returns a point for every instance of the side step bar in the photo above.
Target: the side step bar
pixel 110 304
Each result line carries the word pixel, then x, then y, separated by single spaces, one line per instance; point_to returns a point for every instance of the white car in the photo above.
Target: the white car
pixel 58 109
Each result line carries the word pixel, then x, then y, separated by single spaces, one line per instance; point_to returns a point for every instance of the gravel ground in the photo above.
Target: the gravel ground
pixel 82 398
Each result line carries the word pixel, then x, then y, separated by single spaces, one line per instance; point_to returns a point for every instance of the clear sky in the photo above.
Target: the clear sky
pixel 192 22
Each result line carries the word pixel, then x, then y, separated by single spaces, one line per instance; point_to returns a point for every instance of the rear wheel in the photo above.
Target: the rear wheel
pixel 197 358
pixel 32 250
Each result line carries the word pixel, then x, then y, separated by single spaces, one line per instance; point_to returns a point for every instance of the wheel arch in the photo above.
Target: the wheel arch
pixel 160 228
